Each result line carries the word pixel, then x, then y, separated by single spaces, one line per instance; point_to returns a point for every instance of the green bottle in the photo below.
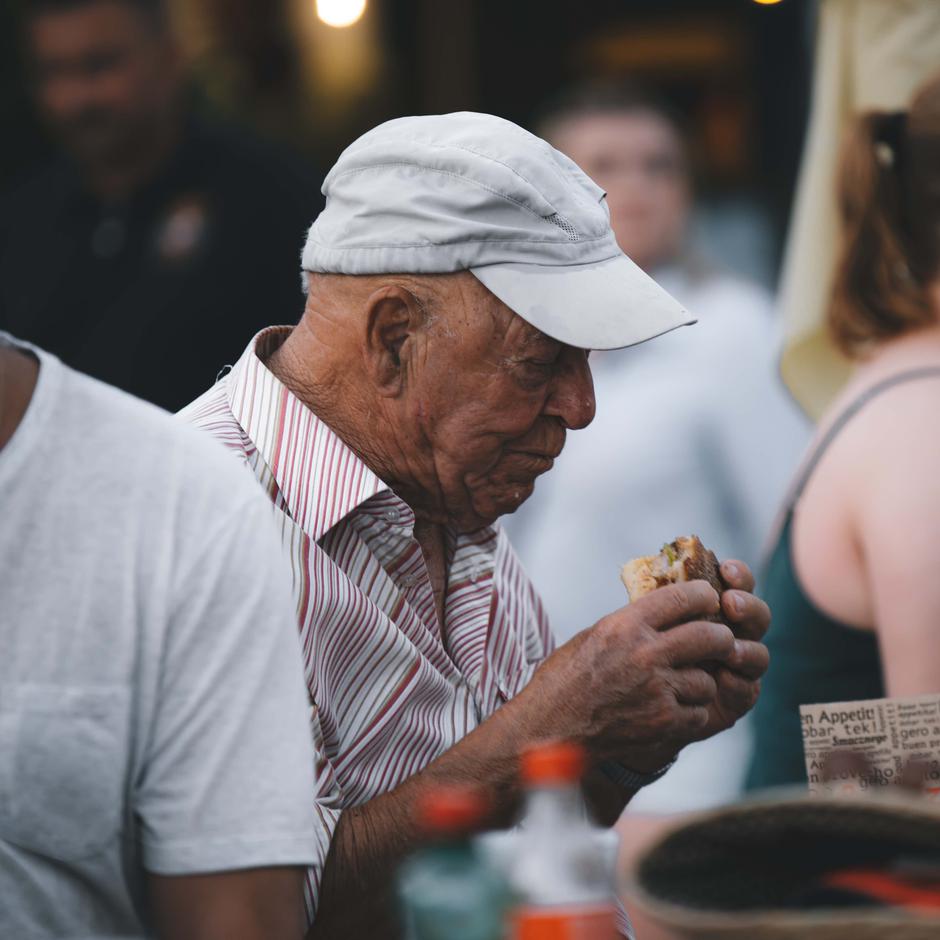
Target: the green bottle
pixel 447 890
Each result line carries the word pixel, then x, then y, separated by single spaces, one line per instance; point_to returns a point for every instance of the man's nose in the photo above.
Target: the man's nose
pixel 572 394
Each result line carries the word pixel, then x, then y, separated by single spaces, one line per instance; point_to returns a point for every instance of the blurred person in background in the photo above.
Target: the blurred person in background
pixel 852 575
pixel 154 224
pixel 635 480
pixel 155 756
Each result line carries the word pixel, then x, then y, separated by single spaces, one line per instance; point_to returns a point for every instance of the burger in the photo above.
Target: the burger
pixel 685 559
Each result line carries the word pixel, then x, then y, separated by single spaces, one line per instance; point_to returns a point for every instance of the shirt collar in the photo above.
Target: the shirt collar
pixel 319 477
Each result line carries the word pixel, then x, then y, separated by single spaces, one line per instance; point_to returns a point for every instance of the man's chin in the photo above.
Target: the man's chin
pixel 100 144
pixel 504 489
pixel 518 496
pixel 489 507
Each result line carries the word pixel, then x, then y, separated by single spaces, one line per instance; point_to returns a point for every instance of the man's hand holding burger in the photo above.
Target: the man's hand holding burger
pixel 655 675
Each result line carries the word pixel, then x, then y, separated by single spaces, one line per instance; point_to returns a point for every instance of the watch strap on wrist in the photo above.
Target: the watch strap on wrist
pixel 630 779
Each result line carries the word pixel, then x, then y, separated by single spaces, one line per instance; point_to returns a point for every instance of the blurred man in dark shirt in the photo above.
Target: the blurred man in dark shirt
pixel 154 247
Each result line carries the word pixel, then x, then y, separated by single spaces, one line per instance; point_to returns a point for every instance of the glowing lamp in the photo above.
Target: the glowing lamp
pixel 340 12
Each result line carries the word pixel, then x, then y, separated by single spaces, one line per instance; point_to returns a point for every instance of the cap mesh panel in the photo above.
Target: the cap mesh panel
pixel 564 225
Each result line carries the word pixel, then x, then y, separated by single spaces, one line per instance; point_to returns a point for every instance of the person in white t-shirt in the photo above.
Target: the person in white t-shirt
pixel 693 433
pixel 155 756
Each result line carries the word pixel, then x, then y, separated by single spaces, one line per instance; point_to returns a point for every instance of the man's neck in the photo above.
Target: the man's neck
pixel 336 399
pixel 18 375
pixel 293 368
pixel 430 536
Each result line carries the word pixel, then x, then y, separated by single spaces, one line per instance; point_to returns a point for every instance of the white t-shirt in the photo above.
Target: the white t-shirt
pixel 153 713
pixel 694 433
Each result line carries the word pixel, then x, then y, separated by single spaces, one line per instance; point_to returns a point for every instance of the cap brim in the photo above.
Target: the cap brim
pixel 600 305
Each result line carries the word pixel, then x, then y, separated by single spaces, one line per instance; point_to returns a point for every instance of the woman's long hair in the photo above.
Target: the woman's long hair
pixel 889 199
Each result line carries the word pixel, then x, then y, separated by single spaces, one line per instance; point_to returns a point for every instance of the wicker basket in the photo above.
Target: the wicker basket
pixel 740 872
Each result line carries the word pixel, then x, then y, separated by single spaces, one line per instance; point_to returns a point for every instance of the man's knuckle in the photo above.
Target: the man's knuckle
pixel 651 652
pixel 720 637
pixel 663 722
pixel 614 619
pixel 708 687
pixel 754 657
pixel 626 625
pixel 745 696
pixel 762 660
pixel 654 687
pixel 606 628
pixel 674 603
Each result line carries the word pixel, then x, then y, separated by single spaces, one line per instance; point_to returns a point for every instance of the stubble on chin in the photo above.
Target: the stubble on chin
pixel 500 497
pixel 502 489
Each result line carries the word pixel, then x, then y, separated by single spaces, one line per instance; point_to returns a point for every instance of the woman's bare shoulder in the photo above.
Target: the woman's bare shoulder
pixel 905 415
pixel 895 459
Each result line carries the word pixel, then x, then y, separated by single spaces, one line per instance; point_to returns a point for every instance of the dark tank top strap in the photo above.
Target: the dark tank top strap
pixel 850 412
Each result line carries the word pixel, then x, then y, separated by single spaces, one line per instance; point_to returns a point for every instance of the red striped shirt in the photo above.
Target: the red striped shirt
pixel 391 691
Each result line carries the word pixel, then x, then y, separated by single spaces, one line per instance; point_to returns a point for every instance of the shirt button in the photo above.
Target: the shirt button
pixel 391 515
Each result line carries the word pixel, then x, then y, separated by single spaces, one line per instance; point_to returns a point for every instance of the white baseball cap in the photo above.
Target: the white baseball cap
pixel 473 192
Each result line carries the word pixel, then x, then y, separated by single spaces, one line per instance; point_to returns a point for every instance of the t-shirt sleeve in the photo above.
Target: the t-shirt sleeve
pixel 226 779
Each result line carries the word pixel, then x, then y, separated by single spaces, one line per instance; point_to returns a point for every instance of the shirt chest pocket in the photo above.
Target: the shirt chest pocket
pixel 63 756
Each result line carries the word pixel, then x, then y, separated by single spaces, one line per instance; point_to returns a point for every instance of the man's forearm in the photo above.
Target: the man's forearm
pixel 357 889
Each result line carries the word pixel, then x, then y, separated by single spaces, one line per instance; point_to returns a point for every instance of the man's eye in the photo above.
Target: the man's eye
pixel 540 365
pixel 535 372
pixel 662 166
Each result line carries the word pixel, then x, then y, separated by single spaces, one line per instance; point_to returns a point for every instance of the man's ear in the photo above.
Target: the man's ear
pixel 393 316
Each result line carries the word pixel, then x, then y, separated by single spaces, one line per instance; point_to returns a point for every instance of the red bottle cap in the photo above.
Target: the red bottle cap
pixel 553 762
pixel 450 810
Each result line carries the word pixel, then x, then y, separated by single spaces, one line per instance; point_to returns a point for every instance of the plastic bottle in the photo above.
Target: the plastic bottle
pixel 447 890
pixel 562 871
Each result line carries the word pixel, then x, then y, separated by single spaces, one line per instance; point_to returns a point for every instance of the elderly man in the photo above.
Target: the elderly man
pixel 457 278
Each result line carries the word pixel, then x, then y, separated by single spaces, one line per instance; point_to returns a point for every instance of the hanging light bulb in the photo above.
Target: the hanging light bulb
pixel 340 12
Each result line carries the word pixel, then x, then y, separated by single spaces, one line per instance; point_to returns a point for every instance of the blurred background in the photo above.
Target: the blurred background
pixel 735 70
pixel 162 160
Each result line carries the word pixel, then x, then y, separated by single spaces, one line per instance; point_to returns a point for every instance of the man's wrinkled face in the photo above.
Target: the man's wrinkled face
pixel 495 398
pixel 104 72
pixel 637 158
